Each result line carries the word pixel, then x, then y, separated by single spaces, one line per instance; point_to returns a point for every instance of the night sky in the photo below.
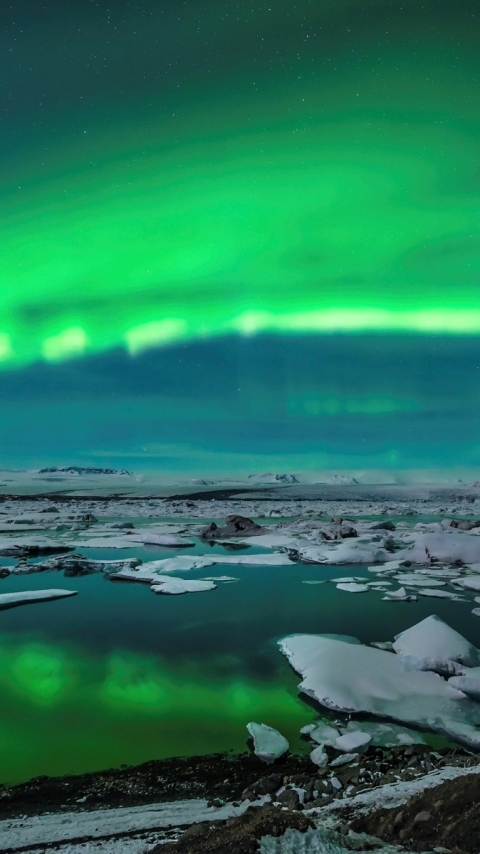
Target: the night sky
pixel 240 236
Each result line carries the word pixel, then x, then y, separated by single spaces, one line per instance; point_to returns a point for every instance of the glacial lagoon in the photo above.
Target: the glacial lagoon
pixel 116 675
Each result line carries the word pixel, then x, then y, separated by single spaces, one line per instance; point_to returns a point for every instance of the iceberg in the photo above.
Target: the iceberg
pixel 434 639
pixel 353 678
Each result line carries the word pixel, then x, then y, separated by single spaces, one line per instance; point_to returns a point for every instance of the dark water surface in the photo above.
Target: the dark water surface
pixel 119 675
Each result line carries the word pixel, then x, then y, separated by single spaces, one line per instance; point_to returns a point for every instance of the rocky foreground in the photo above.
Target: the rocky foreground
pixel 360 802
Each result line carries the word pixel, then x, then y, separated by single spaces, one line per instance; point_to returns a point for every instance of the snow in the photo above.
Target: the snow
pixel 353 741
pixel 97 824
pixel 177 586
pixel 432 638
pixel 385 735
pixel 469 683
pixel 323 733
pixel 268 743
pixel 471 582
pixel 399 595
pixel 350 677
pixel 27 597
pixel 353 587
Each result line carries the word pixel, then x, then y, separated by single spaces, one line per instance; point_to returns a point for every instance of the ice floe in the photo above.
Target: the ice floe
pixel 29 597
pixel 268 743
pixel 177 586
pixel 353 587
pixel 349 677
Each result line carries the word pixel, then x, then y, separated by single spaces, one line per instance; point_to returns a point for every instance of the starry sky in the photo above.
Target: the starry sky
pixel 239 236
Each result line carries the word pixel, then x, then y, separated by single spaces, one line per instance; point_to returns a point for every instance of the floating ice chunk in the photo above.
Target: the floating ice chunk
pixel 353 741
pixel 313 581
pixel 470 582
pixel 324 733
pixel 319 756
pixel 437 594
pixel 305 730
pixel 418 580
pixel 268 743
pixel 386 735
pixel 476 612
pixel 348 579
pixel 387 567
pixel 434 639
pixel 399 595
pixel 177 586
pixel 356 678
pixel 225 578
pixel 353 587
pixel 162 540
pixel 28 597
pixel 469 682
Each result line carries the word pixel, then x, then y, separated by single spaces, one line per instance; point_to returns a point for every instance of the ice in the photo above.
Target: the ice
pixel 268 743
pixel 353 741
pixel 27 597
pixel 469 682
pixel 476 612
pixel 353 587
pixel 347 551
pixel 385 735
pixel 177 586
pixel 319 756
pixel 470 582
pixel 446 546
pixel 399 595
pixel 438 594
pixel 353 678
pixel 418 580
pixel 434 639
pixel 347 579
pixel 323 733
pixel 163 540
pixel 227 579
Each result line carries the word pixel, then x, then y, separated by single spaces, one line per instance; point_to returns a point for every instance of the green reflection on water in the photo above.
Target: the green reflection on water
pixel 81 712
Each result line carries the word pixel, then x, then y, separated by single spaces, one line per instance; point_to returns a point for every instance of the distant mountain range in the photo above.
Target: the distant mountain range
pixel 81 470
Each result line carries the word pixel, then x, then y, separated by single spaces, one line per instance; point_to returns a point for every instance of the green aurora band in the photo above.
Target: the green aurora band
pixel 326 200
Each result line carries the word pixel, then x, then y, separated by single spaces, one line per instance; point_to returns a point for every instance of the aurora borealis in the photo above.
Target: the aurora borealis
pixel 177 177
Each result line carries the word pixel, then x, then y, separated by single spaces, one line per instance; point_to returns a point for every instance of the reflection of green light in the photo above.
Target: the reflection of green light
pixel 126 707
pixel 128 684
pixel 322 214
pixel 41 673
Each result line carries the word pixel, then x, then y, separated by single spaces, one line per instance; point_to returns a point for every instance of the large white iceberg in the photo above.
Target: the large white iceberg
pixel 349 677
pixel 434 639
pixel 268 743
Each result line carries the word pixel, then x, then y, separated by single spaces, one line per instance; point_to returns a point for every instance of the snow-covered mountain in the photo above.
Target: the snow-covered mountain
pixel 81 470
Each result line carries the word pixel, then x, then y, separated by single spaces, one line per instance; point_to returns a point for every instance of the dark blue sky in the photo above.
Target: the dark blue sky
pixel 252 403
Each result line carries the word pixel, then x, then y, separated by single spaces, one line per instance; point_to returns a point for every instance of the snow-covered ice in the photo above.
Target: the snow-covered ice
pixel 268 743
pixel 177 586
pixel 29 597
pixel 432 638
pixel 348 677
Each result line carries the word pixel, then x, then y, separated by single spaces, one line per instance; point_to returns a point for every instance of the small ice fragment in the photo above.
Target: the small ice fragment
pixel 353 741
pixel 268 743
pixel 319 756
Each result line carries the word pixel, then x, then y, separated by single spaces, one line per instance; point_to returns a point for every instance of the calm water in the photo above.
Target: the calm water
pixel 118 675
